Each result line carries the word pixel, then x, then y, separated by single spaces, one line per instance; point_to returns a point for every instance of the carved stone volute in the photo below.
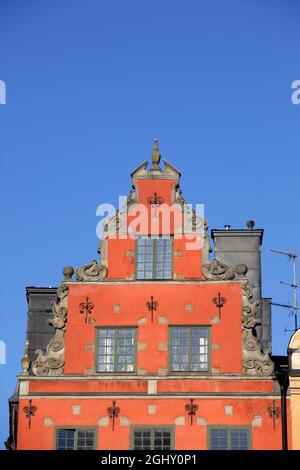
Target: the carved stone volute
pixel 91 272
pixel 132 198
pixel 217 271
pixel 51 362
pixel 179 199
pixel 255 362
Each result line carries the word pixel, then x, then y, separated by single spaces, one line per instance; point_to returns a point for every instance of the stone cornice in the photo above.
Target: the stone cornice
pixel 101 378
pixel 169 172
pixel 39 290
pixel 159 396
pixel 156 282
pixel 237 233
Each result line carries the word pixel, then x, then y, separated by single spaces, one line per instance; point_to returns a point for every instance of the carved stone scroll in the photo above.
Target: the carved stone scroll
pixel 91 272
pixel 116 224
pixel 51 362
pixel 179 199
pixel 217 271
pixel 255 362
pixel 132 198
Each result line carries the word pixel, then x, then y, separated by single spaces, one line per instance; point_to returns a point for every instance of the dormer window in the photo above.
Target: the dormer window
pixel 154 257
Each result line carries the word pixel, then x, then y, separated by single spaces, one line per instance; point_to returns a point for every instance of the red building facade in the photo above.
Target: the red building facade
pixel 155 346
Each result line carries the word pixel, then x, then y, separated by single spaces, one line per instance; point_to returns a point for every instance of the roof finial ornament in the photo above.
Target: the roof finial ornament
pixel 155 156
pixel 25 362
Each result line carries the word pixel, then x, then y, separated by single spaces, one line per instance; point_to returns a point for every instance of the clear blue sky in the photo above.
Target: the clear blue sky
pixel 90 83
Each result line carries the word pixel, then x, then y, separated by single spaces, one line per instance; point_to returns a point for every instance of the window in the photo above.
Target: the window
pixel 224 438
pixel 154 257
pixel 152 438
pixel 76 439
pixel 189 349
pixel 116 349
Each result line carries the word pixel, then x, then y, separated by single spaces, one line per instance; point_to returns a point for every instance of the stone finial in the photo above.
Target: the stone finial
pixel 250 224
pixel 68 272
pixel 155 155
pixel 241 270
pixel 25 362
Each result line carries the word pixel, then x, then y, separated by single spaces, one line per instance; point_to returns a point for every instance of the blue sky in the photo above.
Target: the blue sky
pixel 90 83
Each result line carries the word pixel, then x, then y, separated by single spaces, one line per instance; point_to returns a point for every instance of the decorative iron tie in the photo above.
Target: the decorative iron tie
pixel 151 306
pixel 219 302
pixel 273 412
pixel 191 410
pixel 86 307
pixel 113 412
pixel 29 411
pixel 155 200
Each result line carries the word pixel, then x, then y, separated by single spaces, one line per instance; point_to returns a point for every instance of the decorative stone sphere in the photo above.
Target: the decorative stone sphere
pixel 68 272
pixel 250 224
pixel 241 270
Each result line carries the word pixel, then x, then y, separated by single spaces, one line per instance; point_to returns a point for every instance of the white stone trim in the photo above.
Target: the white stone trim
pixel 24 387
pixel 152 387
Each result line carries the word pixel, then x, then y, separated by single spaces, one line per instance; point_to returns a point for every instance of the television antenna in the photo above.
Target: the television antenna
pixel 292 307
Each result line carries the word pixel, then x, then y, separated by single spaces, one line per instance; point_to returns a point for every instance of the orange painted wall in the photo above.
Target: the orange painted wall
pixel 187 266
pixel 172 299
pixel 146 188
pixel 187 263
pixel 186 437
pixel 153 222
pixel 164 385
pixel 121 266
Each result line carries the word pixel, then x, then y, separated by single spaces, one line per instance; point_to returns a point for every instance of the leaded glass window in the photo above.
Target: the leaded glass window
pixel 75 439
pixel 152 438
pixel 116 349
pixel 154 258
pixel 234 438
pixel 189 349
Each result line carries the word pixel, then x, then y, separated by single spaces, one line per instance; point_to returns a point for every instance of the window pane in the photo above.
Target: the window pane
pixel 187 352
pixel 142 440
pixel 229 439
pixel 163 259
pixel 162 439
pixel 152 439
pixel 219 439
pixel 154 258
pixel 239 439
pixel 118 353
pixel 144 257
pixel 85 440
pixel 65 439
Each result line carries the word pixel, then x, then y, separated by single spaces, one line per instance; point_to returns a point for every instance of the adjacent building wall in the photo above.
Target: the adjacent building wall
pixel 242 246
